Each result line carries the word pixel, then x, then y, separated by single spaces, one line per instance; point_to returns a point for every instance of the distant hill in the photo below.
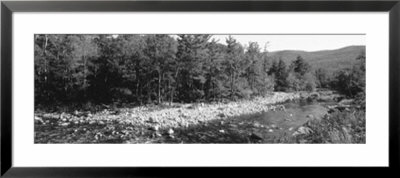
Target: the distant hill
pixel 331 60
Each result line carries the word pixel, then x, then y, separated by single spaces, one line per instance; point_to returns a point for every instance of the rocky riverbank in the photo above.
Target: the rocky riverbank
pixel 178 116
pixel 122 124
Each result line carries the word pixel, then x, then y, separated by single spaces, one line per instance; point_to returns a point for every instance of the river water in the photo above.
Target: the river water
pixel 278 123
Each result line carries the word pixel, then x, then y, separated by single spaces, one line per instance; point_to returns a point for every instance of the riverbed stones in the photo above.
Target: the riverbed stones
pixel 255 137
pixel 302 130
pixel 256 124
pixel 170 131
pixel 221 115
pixel 310 116
pixel 64 124
pixel 38 120
pixel 153 117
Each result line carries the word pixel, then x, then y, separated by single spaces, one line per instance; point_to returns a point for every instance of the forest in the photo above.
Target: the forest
pixel 160 68
pixel 140 70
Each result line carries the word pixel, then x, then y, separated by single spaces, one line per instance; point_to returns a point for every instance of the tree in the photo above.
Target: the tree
pixel 190 55
pixel 300 66
pixel 214 69
pixel 300 77
pixel 351 81
pixel 253 70
pixel 280 73
pixel 234 53
pixel 322 78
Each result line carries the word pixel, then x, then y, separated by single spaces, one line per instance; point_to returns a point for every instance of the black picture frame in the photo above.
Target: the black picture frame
pixel 8 7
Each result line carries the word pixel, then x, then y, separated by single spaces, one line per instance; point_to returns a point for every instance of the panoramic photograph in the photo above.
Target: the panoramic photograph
pixel 199 89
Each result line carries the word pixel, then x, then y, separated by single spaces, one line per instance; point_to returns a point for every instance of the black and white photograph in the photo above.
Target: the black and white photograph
pixel 199 88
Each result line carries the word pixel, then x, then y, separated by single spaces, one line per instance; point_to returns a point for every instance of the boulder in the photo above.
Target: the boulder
pixel 170 131
pixel 38 120
pixel 255 137
pixel 154 128
pixel 302 131
pixel 65 124
pixel 256 124
pixel 281 108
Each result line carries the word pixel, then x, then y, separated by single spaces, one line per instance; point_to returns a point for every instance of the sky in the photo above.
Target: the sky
pixel 298 42
pixel 295 42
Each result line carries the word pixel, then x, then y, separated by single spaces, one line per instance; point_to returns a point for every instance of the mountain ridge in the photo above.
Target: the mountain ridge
pixel 331 60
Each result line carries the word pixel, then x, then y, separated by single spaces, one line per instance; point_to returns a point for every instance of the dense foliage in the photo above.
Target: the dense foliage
pixel 170 68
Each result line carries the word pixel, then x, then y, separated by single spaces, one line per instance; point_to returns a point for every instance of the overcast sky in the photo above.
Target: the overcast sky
pixel 295 42
pixel 298 42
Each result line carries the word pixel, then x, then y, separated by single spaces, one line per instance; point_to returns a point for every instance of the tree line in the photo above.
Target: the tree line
pixel 165 68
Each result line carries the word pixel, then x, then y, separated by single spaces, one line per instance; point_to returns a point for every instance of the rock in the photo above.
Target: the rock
pixel 170 131
pixel 302 130
pixel 256 124
pixel 270 130
pixel 302 141
pixel 281 108
pixel 346 102
pixel 64 124
pixel 233 125
pixel 221 131
pixel 154 128
pixel 38 120
pixel 331 110
pixel 290 129
pixel 101 123
pixel 314 95
pixel 310 116
pixel 151 119
pixel 254 137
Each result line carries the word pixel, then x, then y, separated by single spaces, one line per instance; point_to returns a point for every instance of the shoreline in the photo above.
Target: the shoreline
pixel 155 124
pixel 174 117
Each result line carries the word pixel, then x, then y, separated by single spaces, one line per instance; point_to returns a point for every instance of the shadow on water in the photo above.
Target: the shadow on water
pixel 262 127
